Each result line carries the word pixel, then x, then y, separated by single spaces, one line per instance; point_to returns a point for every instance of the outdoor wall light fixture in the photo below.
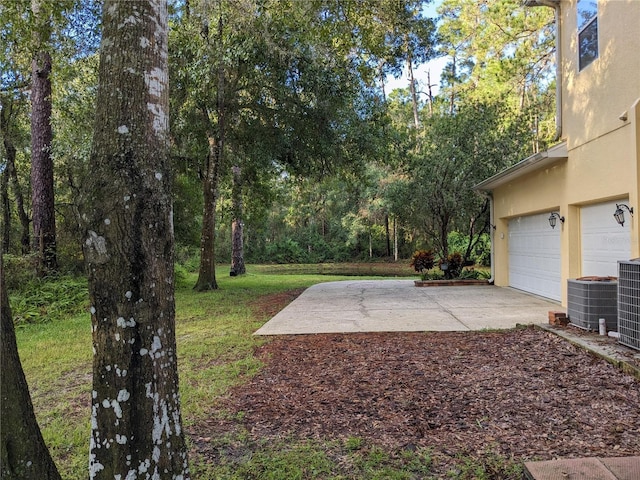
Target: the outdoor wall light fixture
pixel 619 213
pixel 553 217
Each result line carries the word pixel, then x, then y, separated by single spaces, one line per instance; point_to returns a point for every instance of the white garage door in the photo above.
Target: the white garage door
pixel 534 256
pixel 604 242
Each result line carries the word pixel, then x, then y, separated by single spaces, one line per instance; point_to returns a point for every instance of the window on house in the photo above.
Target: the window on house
pixel 587 32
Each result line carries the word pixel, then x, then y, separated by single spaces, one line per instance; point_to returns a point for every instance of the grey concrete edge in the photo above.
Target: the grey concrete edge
pixel 613 359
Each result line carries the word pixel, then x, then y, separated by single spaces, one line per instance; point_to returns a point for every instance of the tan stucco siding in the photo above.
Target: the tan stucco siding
pixel 601 131
pixel 538 192
pixel 634 192
pixel 594 98
pixel 600 170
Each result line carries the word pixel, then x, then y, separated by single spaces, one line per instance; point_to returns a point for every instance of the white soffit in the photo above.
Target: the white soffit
pixel 530 164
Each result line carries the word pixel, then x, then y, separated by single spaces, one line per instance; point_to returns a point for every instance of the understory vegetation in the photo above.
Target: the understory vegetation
pixel 216 351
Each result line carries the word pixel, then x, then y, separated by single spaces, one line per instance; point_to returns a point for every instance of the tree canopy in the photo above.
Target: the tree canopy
pixel 292 95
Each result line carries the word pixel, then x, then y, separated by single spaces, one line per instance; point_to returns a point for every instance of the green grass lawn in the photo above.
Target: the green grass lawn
pixel 215 349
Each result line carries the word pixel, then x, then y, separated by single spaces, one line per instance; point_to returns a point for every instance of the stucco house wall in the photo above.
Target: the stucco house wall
pixel 598 157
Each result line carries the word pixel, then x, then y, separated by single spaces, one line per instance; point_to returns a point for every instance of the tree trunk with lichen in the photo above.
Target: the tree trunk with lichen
pixel 23 453
pixel 136 426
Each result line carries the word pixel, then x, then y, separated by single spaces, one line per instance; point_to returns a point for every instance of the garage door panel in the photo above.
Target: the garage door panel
pixel 534 256
pixel 603 241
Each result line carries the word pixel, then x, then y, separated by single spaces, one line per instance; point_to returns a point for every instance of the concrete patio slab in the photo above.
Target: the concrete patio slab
pixel 397 305
pixel 623 468
pixel 617 468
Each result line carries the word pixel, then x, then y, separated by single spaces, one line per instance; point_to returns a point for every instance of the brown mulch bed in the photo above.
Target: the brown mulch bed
pixel 521 393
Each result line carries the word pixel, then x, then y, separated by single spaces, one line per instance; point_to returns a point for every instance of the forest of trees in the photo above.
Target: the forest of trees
pixel 285 144
pixel 253 131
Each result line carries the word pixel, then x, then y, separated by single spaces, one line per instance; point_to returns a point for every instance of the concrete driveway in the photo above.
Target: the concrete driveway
pixel 399 306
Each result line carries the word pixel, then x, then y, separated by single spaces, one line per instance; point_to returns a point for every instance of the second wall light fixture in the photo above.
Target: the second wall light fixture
pixel 553 218
pixel 619 213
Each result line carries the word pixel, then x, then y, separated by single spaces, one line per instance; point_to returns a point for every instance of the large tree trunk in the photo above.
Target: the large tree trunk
pixel 136 426
pixel 237 246
pixel 42 198
pixel 23 453
pixel 207 272
pixel 216 138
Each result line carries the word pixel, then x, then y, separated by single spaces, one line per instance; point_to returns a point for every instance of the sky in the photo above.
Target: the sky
pixel 434 67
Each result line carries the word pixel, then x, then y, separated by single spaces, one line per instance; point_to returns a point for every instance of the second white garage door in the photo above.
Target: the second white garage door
pixel 604 242
pixel 534 256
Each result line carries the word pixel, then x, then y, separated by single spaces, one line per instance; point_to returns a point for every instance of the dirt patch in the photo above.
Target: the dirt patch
pixel 521 393
pixel 268 305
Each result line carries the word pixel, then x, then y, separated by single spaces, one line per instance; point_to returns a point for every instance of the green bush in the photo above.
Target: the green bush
pixel 474 274
pixel 423 260
pixel 452 265
pixel 48 299
pixel 188 258
pixel 180 275
pixel 480 255
pixel 19 270
pixel 432 275
pixel 285 251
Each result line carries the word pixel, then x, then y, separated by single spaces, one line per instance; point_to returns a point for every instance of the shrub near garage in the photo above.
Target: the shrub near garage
pixel 423 260
pixel 452 265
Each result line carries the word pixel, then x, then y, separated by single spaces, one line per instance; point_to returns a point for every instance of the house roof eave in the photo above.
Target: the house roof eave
pixel 541 3
pixel 530 164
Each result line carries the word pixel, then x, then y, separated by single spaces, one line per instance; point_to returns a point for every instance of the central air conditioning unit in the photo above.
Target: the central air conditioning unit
pixel 629 303
pixel 591 298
